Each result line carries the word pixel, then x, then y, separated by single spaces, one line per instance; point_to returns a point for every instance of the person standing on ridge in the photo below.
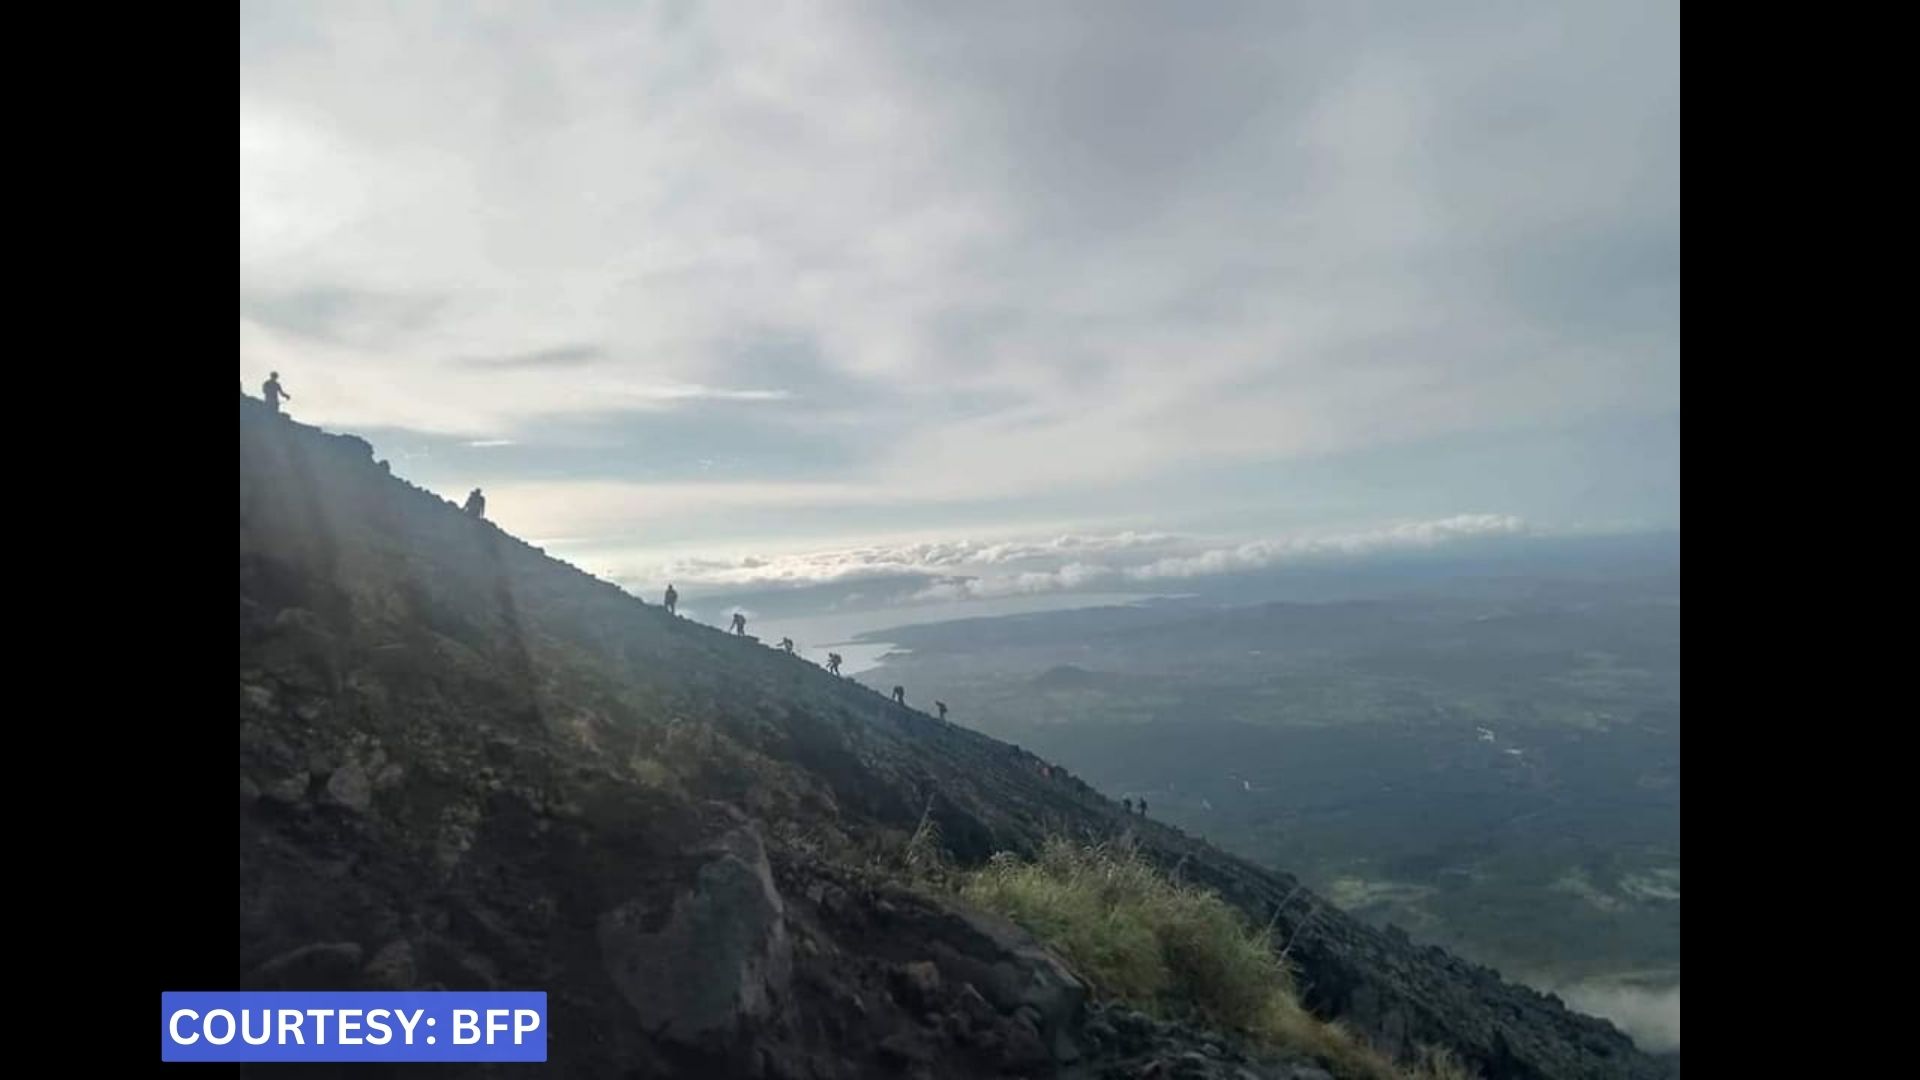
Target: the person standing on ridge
pixel 273 393
pixel 476 504
pixel 786 645
pixel 899 695
pixel 833 663
pixel 942 706
pixel 672 598
pixel 739 624
pixel 1143 806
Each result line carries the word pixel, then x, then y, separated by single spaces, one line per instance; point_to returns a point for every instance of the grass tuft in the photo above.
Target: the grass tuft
pixel 1176 951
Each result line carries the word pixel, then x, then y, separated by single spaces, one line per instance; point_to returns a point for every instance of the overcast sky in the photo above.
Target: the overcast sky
pixel 723 284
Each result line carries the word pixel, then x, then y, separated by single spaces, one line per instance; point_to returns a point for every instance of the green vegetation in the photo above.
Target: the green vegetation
pixel 1446 761
pixel 1173 950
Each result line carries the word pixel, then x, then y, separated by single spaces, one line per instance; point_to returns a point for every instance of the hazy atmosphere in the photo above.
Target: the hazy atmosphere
pixel 685 285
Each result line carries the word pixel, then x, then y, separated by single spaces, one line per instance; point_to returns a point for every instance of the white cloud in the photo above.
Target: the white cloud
pixel 1651 1016
pixel 1261 554
pixel 1049 253
pixel 978 569
pixel 1065 578
pixel 895 560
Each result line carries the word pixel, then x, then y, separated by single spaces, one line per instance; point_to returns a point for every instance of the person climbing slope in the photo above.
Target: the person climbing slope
pixel 739 624
pixel 272 391
pixel 476 504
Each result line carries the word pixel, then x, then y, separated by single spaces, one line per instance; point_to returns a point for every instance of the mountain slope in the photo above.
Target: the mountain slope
pixel 467 764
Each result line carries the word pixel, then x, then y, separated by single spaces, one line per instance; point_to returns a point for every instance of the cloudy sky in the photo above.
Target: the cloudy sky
pixel 718 287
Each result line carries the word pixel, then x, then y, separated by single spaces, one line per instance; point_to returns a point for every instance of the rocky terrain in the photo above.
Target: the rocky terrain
pixel 466 764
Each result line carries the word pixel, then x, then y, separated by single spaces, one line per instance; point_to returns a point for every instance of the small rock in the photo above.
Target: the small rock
pixel 906 1048
pixel 1022 1048
pixel 392 967
pixel 977 1009
pixel 350 787
pixel 918 982
pixel 320 966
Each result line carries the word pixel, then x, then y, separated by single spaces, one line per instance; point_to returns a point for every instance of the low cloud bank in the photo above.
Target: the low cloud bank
pixel 978 569
pixel 1650 1015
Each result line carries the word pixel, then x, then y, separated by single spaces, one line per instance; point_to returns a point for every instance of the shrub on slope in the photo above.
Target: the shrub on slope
pixel 1174 950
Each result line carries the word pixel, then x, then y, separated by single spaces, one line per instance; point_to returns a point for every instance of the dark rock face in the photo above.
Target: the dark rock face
pixel 1133 1044
pixel 722 958
pixel 466 765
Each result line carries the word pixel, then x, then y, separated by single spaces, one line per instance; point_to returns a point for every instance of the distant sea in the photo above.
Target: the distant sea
pixel 814 636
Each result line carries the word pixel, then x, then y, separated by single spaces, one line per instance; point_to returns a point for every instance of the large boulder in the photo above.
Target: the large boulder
pixel 720 960
pixel 1016 974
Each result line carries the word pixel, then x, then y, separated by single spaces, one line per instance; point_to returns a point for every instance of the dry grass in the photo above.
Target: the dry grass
pixel 1176 951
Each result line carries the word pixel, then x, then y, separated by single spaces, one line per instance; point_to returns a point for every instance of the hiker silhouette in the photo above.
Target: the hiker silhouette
pixel 899 695
pixel 833 663
pixel 272 391
pixel 672 598
pixel 1143 807
pixel 942 706
pixel 739 623
pixel 1127 805
pixel 476 504
pixel 786 645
